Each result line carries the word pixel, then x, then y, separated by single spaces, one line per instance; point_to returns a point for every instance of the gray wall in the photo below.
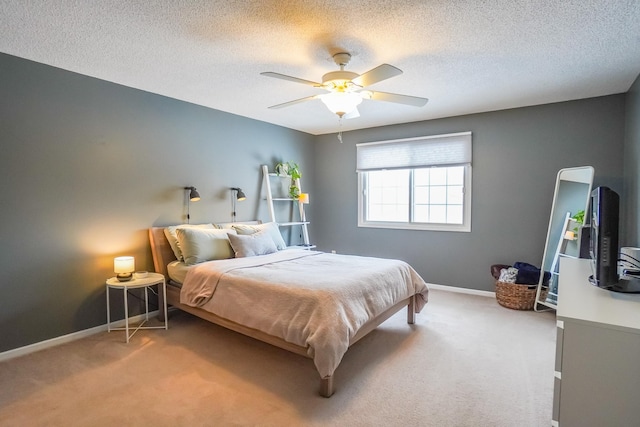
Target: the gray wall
pixel 87 166
pixel 516 156
pixel 631 199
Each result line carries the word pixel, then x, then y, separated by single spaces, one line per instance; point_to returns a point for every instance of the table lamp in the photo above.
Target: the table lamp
pixel 124 266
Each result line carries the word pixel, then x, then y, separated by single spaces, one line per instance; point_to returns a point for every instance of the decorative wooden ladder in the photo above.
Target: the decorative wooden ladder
pixel 270 202
pixel 562 249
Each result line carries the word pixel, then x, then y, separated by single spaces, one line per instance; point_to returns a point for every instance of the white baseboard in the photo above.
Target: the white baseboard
pixel 462 290
pixel 32 348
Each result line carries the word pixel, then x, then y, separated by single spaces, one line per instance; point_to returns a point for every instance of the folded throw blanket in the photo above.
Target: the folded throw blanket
pixel 529 274
pixel 508 275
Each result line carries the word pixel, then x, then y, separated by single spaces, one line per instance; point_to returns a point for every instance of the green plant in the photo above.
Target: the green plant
pixel 579 218
pixel 292 170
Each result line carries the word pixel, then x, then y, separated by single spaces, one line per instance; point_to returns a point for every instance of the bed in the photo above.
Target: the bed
pixel 307 302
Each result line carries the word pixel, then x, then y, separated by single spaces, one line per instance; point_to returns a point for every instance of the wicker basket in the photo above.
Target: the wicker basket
pixel 518 297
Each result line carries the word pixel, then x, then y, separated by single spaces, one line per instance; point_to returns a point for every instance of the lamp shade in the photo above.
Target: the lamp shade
pixel 124 266
pixel 194 196
pixel 341 103
pixel 240 196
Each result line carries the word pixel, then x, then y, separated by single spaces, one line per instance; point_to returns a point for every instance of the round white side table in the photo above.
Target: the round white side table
pixel 152 279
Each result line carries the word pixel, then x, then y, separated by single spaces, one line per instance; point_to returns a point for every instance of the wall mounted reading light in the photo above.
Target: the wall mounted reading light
pixel 124 266
pixel 238 196
pixel 194 196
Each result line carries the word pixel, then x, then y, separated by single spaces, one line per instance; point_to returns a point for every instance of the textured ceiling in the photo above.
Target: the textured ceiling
pixel 465 56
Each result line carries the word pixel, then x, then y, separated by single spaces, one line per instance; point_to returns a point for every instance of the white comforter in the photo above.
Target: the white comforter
pixel 312 299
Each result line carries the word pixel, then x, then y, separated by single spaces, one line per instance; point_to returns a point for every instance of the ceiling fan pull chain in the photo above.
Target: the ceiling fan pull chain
pixel 340 131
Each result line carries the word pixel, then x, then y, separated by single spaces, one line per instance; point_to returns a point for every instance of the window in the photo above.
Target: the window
pixel 417 183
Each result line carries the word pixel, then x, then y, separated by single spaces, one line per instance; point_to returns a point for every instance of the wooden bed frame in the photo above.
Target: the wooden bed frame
pixel 163 255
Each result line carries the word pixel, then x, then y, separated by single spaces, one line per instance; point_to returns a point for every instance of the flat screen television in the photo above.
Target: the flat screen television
pixel 603 248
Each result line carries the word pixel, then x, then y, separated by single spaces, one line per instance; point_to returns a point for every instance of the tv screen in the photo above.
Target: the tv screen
pixel 604 237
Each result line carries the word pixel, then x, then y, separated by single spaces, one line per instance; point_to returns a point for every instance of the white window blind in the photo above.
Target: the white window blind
pixel 451 149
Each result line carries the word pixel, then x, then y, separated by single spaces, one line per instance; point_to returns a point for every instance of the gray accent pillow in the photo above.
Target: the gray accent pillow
pixel 231 224
pixel 271 228
pixel 254 244
pixel 200 245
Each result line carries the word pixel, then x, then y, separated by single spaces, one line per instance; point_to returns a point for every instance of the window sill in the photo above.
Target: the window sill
pixel 464 228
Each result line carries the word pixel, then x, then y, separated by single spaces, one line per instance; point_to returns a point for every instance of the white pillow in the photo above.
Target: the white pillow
pixel 172 238
pixel 270 227
pixel 200 245
pixel 254 244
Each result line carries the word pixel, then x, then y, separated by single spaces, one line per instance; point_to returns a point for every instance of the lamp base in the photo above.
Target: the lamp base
pixel 124 277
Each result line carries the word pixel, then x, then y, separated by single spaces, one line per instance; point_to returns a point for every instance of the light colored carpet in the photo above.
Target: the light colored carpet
pixel 466 362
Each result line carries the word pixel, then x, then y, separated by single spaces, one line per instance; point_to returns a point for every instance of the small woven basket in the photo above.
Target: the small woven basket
pixel 518 297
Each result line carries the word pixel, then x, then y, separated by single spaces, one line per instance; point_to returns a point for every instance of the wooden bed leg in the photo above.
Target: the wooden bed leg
pixel 326 386
pixel 161 298
pixel 411 311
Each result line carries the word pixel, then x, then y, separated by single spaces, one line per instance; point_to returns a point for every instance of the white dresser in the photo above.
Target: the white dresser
pixel 597 378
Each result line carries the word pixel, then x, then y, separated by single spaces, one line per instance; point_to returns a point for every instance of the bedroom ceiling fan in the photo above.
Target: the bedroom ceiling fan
pixel 346 89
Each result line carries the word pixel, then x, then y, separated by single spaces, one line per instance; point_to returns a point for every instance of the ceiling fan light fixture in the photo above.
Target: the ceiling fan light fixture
pixel 341 103
pixel 338 80
pixel 346 88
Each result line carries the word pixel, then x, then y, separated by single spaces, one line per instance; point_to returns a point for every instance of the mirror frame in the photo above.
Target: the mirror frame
pixel 580 174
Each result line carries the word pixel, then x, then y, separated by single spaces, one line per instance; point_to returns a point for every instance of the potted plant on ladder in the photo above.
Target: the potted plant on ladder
pixel 291 170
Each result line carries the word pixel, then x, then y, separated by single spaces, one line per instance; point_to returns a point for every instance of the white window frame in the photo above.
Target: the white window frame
pixel 466 223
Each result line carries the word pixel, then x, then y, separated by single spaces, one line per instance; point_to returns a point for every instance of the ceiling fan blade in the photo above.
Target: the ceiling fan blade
pixel 295 101
pixel 290 78
pixel 352 115
pixel 398 99
pixel 378 74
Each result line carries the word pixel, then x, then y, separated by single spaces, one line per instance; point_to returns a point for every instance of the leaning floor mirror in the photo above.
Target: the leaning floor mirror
pixel 570 203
